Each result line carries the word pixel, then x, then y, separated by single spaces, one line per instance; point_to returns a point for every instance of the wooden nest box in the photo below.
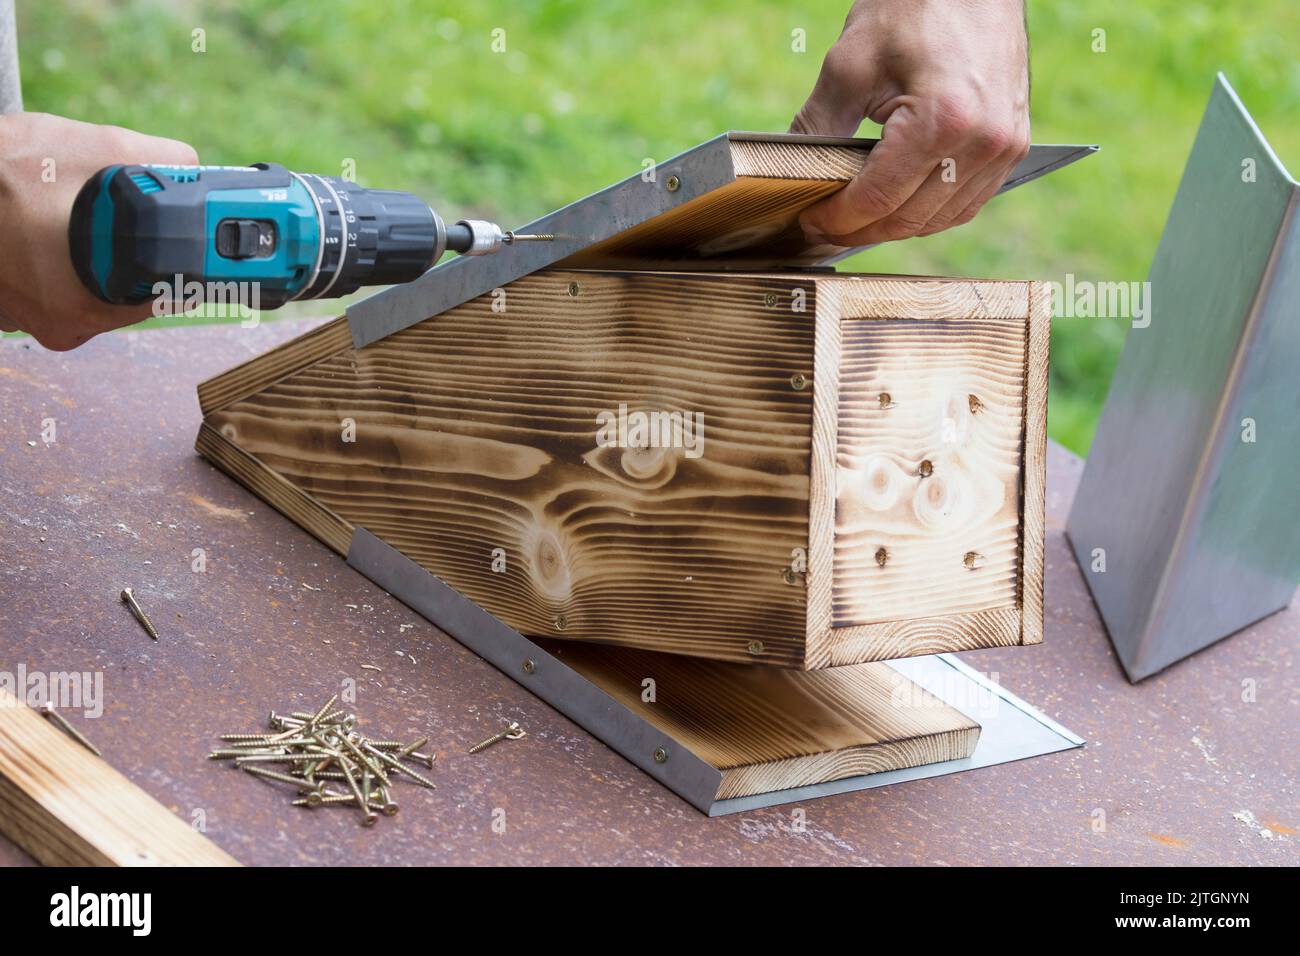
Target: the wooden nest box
pixel 671 431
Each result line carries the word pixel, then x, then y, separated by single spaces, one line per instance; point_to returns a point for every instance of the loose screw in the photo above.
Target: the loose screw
pixel 284 778
pixel 512 732
pixel 48 711
pixel 423 781
pixel 129 600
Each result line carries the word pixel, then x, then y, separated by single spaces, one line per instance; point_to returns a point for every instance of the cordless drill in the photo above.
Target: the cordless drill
pixel 296 235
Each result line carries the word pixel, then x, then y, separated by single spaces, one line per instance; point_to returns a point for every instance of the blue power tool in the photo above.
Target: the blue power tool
pixel 298 236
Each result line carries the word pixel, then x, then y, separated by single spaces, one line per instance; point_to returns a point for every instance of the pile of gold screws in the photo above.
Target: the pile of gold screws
pixel 325 748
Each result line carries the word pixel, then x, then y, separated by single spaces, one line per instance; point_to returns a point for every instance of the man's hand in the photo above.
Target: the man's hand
pixel 949 82
pixel 44 161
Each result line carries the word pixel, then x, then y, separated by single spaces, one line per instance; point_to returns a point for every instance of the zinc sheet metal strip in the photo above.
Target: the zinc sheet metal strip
pixel 1011 728
pixel 602 216
pixel 506 649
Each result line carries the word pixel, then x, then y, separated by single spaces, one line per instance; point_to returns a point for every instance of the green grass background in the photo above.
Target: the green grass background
pixel 412 92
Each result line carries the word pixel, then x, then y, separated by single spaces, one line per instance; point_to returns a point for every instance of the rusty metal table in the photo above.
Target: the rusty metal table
pixel 1197 765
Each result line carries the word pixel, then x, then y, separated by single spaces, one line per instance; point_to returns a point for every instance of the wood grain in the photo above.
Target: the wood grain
pixel 769 729
pixel 273 488
pixel 476 443
pixel 752 223
pixel 1034 491
pixel 934 477
pixel 67 807
pixel 913 637
pixel 749 224
pixel 254 375
pixel 777 160
pixel 926 297
pixel 477 430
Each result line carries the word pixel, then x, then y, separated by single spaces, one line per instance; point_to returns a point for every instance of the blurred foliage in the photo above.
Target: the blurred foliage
pixel 413 92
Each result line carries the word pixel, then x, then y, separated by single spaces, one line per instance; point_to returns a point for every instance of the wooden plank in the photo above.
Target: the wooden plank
pixel 786 160
pixel 750 224
pixel 1033 505
pixel 820 576
pixel 67 807
pixel 253 376
pixel 746 225
pixel 477 446
pixel 913 637
pixel 927 518
pixel 925 297
pixel 769 729
pixel 273 488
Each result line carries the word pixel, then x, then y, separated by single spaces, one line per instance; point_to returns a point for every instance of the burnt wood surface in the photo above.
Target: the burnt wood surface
pixel 1184 770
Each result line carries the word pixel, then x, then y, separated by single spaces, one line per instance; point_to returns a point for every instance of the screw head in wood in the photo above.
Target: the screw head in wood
pixel 756 647
pixel 973 402
pixel 882 556
pixel 926 469
pixel 561 622
pixel 673 184
pixel 798 381
pixel 661 755
pixel 973 560
pixel 886 400
pixel 575 289
pixel 770 300
pixel 530 666
pixel 790 576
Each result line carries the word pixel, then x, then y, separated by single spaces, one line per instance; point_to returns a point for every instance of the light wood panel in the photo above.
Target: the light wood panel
pixel 67 807
pixel 928 460
pixel 769 729
pixel 746 225
pixel 1034 483
pixel 751 223
pixel 477 430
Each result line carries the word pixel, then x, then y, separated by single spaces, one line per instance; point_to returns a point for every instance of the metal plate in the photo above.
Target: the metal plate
pixel 533 668
pixel 1011 729
pixel 1196 525
pixel 605 214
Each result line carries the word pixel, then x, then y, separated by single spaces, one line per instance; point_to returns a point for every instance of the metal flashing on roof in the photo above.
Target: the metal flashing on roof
pixel 604 215
pixel 1011 728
